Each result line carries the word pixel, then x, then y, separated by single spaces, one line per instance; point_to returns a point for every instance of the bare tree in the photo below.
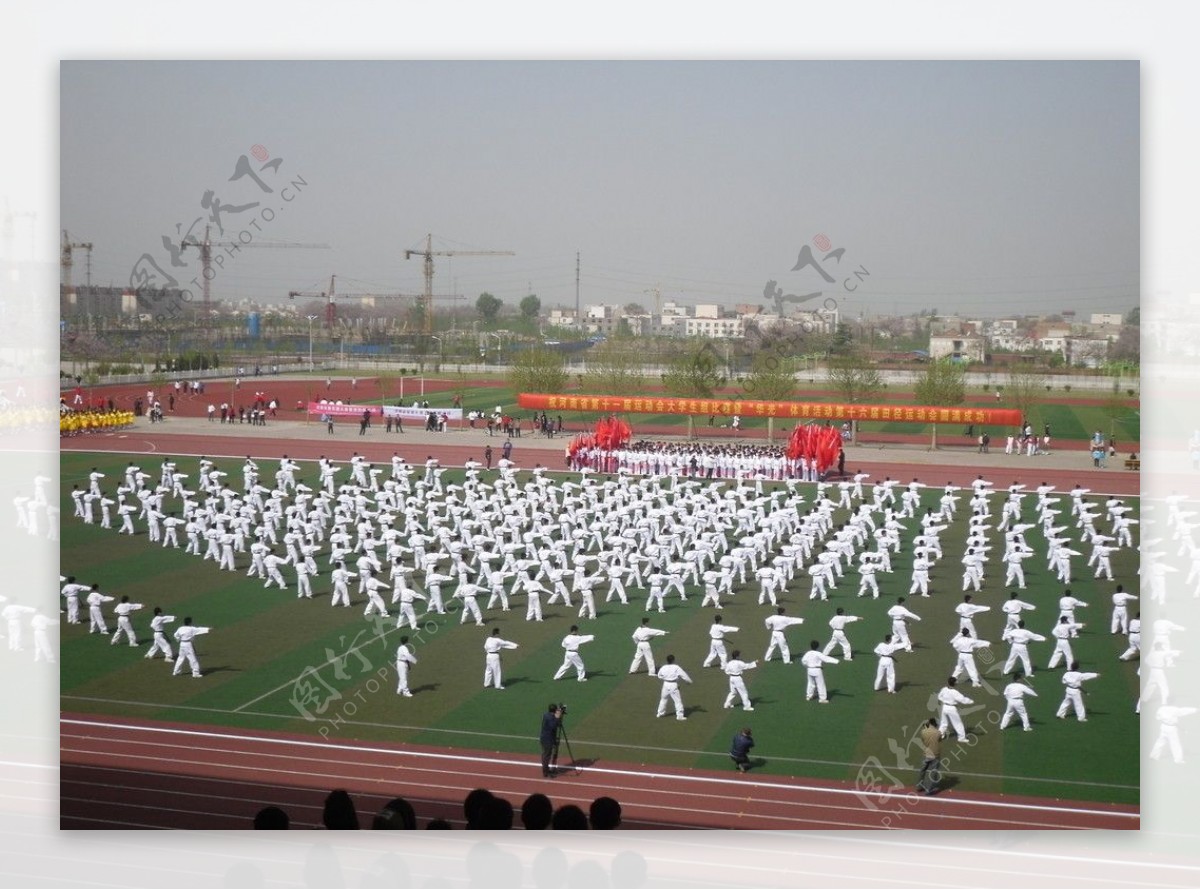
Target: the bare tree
pixel 694 374
pixel 614 367
pixel 771 378
pixel 943 385
pixel 855 379
pixel 1024 388
pixel 538 371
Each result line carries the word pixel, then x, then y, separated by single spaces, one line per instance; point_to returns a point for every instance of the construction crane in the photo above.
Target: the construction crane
pixel 425 303
pixel 206 247
pixel 67 262
pixel 330 295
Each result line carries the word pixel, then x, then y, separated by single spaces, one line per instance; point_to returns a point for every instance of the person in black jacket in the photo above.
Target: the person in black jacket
pixel 739 752
pixel 551 721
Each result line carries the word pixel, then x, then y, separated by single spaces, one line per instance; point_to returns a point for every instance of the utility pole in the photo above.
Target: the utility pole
pixel 577 322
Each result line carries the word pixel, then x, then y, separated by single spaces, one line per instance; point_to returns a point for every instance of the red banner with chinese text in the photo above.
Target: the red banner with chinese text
pixel 788 410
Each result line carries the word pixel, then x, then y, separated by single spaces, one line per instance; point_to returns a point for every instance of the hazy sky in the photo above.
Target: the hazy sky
pixel 986 188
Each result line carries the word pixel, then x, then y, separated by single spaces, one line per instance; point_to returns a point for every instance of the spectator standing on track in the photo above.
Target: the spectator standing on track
pixel 931 748
pixel 739 750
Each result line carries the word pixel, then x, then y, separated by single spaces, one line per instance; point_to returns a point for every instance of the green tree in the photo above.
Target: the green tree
pixel 695 374
pixel 856 381
pixel 538 370
pixel 614 367
pixel 771 379
pixel 943 385
pixel 488 307
pixel 530 306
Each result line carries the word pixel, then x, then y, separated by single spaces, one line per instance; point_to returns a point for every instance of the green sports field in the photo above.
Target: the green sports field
pixel 275 662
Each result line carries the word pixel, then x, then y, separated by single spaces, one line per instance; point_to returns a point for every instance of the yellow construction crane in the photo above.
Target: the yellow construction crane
pixel 206 247
pixel 66 262
pixel 425 303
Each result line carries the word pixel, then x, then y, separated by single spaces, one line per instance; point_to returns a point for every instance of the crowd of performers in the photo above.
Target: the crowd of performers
pixel 811 452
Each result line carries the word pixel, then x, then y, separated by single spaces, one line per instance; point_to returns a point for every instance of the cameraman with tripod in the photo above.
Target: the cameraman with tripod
pixel 551 726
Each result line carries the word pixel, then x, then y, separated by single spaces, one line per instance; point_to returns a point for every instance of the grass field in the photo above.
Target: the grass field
pixel 275 662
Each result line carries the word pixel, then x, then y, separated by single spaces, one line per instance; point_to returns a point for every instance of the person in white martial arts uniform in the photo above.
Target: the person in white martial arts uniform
pixel 950 698
pixel 1120 613
pixel 95 600
pixel 571 643
pixel 274 576
pixel 1168 717
pixel 777 624
pixel 124 624
pixel 1067 605
pixel 404 658
pixel 838 624
pixel 187 650
pixel 734 669
pixel 920 576
pixel 1014 698
pixel 1062 633
pixel 492 646
pixel 965 645
pixel 42 651
pixel 469 594
pixel 1012 609
pixel 340 577
pixel 672 675
pixel 966 611
pixel 900 615
pixel 1073 681
pixel 13 614
pixel 406 596
pixel 1018 639
pixel 70 592
pixel 887 663
pixel 159 642
pixel 813 661
pixel 716 647
pixel 1135 638
pixel 371 587
pixel 641 638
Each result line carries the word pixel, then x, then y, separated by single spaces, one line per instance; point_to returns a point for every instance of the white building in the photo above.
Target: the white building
pixel 1107 318
pixel 964 349
pixel 716 328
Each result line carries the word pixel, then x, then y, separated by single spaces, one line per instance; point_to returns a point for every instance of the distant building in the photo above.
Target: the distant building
pixel 960 349
pixel 716 328
pixel 1107 318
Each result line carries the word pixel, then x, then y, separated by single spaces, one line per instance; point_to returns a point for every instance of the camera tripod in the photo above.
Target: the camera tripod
pixel 560 737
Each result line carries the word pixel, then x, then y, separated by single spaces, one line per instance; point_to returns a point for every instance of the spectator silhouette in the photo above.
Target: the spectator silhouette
pixel 270 819
pixel 569 818
pixel 473 806
pixel 496 815
pixel 604 814
pixel 398 815
pixel 340 813
pixel 436 824
pixel 536 812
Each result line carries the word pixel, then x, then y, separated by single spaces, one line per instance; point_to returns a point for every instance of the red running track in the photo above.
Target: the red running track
pixel 121 774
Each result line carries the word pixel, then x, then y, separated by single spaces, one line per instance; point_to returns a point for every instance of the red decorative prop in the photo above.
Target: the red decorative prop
pixel 815 443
